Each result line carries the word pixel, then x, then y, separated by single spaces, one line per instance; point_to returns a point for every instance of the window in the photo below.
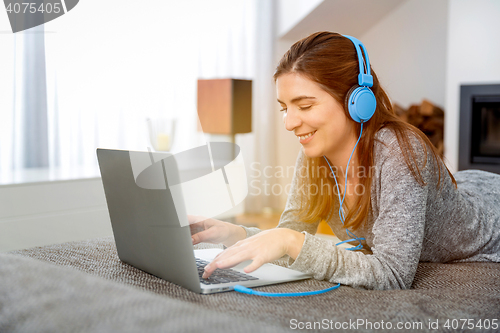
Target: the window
pixel 91 77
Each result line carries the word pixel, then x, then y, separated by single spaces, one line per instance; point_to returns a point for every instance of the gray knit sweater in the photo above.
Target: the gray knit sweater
pixel 408 223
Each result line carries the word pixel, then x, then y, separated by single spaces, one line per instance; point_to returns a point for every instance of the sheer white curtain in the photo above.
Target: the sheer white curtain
pixel 23 105
pixel 7 68
pixel 133 61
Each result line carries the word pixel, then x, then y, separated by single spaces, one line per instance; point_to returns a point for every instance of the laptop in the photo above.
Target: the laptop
pixel 152 236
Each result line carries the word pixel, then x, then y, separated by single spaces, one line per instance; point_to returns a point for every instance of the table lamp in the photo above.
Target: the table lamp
pixel 225 106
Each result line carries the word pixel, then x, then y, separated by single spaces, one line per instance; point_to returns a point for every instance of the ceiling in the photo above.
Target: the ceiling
pixel 349 17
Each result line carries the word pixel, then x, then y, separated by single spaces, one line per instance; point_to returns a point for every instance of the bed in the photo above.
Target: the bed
pixel 84 287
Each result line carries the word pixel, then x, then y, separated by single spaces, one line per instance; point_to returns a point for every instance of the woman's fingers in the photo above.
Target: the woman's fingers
pixel 256 263
pixel 214 231
pixel 197 227
pixel 264 247
pixel 207 236
pixel 196 239
pixel 226 259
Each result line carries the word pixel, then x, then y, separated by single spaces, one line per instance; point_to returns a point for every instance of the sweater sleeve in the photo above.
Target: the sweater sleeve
pixel 398 232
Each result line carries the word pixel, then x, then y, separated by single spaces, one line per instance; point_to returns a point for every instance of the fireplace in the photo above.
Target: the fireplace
pixel 479 143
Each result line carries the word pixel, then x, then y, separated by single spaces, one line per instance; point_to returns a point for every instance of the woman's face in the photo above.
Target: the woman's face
pixel 315 117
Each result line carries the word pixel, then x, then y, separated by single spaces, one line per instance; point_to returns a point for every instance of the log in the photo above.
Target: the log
pixel 428 118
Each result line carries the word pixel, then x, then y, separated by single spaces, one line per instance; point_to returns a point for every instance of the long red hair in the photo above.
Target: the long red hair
pixel 330 60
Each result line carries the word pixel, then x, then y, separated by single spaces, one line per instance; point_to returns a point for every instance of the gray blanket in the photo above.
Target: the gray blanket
pixel 84 287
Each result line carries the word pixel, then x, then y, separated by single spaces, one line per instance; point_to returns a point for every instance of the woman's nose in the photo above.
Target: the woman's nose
pixel 291 120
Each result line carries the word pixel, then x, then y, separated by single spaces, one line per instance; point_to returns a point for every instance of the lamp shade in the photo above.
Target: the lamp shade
pixel 225 106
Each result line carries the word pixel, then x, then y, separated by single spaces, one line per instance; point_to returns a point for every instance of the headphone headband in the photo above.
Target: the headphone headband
pixel 360 100
pixel 365 79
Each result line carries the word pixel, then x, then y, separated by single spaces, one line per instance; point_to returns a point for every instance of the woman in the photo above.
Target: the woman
pixel 398 200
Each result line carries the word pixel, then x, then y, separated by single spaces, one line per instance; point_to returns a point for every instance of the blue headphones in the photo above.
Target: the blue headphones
pixel 360 100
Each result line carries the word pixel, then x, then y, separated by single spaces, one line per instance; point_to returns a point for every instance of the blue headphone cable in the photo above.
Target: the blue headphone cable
pixel 341 201
pixel 245 290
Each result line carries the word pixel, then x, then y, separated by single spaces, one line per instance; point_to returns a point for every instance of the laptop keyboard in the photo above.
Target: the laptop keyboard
pixel 221 275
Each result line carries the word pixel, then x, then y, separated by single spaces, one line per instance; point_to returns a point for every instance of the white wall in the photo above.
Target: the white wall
pixel 291 12
pixel 473 58
pixel 408 51
pixel 43 213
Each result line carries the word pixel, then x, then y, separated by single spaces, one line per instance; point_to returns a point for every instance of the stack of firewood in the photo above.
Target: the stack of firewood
pixel 428 118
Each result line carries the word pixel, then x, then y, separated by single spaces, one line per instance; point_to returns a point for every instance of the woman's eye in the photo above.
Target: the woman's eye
pixel 302 108
pixel 284 109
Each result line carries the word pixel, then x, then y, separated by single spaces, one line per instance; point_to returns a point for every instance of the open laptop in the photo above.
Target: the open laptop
pixel 150 235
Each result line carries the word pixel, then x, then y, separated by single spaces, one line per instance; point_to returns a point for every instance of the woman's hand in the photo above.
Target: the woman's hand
pixel 214 231
pixel 262 248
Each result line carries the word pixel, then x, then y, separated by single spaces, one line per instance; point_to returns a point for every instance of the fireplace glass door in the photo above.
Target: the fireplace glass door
pixel 485 130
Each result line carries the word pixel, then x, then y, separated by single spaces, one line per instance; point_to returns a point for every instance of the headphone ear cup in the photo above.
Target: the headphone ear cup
pixel 361 103
pixel 348 96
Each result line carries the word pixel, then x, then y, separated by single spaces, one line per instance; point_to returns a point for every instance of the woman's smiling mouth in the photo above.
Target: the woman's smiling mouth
pixel 305 138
